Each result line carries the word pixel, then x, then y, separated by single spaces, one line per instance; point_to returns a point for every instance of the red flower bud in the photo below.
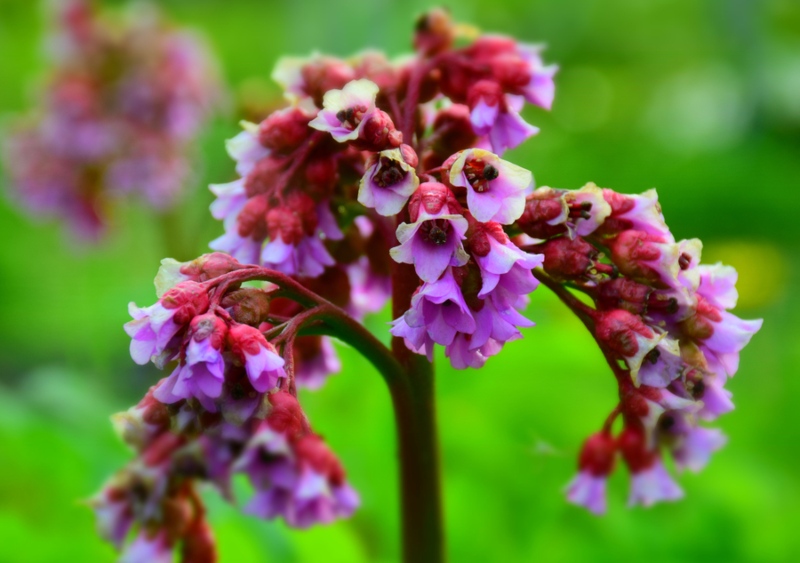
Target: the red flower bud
pixel 598 454
pixel 285 130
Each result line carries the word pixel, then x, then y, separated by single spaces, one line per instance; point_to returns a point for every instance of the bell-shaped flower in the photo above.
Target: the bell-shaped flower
pixel 154 328
pixel 202 373
pixel 433 241
pixel 345 111
pixel 260 359
pixel 596 462
pixel 388 183
pixel 496 189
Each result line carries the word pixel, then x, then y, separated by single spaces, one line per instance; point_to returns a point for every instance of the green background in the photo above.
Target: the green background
pixel 698 98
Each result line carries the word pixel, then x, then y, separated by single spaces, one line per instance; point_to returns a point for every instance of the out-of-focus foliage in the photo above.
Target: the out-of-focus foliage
pixel 699 98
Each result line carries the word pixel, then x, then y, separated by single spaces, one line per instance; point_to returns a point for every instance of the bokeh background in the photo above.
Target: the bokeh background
pixel 698 98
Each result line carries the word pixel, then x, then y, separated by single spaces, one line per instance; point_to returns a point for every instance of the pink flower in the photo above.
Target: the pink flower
pixel 202 373
pixel 261 361
pixel 597 459
pixel 496 189
pixel 345 111
pixel 153 328
pixel 388 183
pixel 433 241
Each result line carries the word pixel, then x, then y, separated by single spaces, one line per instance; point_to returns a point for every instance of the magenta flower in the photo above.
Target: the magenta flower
pixel 261 361
pixel 540 89
pixel 496 117
pixel 202 373
pixel 153 328
pixel 596 462
pixel 696 446
pixel 148 549
pixel 593 209
pixel 313 368
pixel 496 189
pixel 345 111
pixel 296 476
pixel 589 491
pixel 369 291
pixel 438 311
pixel 653 484
pixel 640 212
pixel 388 183
pixel 291 249
pixel 433 241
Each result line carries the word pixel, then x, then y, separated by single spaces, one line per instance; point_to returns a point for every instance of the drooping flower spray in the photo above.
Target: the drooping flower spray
pixel 121 104
pixel 381 181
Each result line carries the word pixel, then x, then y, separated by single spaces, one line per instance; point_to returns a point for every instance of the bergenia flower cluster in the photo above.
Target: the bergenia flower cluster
pixel 118 112
pixel 658 312
pixel 382 180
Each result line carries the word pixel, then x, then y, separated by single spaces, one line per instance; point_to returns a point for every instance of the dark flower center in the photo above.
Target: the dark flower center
pixel 436 231
pixel 479 174
pixel 389 173
pixel 351 117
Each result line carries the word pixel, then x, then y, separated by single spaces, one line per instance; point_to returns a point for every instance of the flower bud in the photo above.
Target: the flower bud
pixel 188 298
pixel 566 258
pixel 646 258
pixel 285 130
pixel 378 133
pixel 248 306
pixel 434 32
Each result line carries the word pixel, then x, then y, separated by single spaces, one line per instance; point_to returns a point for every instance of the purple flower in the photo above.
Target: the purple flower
pixel 716 399
pixel 307 258
pixel 662 364
pixel 297 478
pixel 652 485
pixel 593 209
pixel 432 243
pixel 202 373
pixel 717 285
pixel 369 291
pixel 231 199
pixel 696 446
pixel 496 115
pixel 314 367
pixel 151 329
pixel 263 364
pixel 246 150
pixel 589 491
pixel 388 183
pixel 496 189
pixel 540 89
pixel 302 255
pixel 245 249
pixel 497 322
pixel 146 549
pixel 438 312
pixel 114 515
pixel 345 111
pixel 640 212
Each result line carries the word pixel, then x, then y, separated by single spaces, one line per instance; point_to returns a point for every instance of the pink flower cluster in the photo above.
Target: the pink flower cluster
pixel 348 134
pixel 120 108
pixel 386 179
pixel 660 312
pixel 229 406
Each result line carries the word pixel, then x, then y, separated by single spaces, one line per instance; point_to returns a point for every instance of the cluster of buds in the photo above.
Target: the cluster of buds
pixel 658 312
pixel 229 406
pixel 121 105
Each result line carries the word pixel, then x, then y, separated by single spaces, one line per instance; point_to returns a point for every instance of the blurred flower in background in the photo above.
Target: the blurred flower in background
pixel 117 114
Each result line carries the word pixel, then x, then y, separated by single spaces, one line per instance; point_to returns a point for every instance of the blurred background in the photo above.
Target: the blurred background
pixel 698 98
